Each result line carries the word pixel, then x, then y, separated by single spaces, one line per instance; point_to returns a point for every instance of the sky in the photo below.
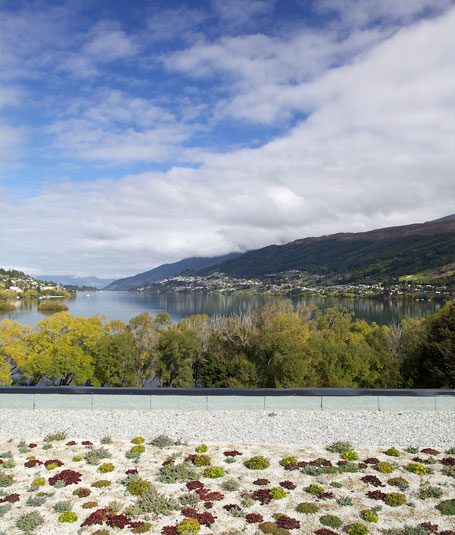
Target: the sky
pixel 139 133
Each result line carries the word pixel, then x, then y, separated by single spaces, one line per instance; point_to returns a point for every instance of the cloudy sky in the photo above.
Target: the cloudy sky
pixel 142 132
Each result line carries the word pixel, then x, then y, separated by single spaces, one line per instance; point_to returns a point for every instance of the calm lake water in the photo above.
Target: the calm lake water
pixel 126 305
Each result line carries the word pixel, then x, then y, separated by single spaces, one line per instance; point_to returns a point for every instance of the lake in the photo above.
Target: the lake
pixel 126 305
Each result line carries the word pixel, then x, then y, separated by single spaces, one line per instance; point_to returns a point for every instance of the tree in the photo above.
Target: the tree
pixel 438 349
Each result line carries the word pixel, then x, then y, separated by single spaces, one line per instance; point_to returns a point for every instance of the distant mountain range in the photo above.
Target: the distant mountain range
pixel 373 255
pixel 167 270
pixel 68 280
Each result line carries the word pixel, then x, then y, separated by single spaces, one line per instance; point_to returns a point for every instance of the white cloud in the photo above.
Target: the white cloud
pixel 371 149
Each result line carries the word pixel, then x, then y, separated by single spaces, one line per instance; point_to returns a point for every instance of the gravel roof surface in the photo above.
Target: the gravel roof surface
pixel 361 428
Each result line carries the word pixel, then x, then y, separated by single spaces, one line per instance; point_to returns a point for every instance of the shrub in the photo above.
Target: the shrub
pixel 331 521
pixel 5 509
pixel 427 491
pixel 369 516
pixel 105 468
pixel 214 472
pixel 139 486
pixel 277 493
pixel 344 501
pixel 95 455
pixel 28 522
pixel 230 485
pixel 399 482
pixel 162 441
pixel 357 529
pixel 311 470
pixel 392 452
pixel 412 449
pixel 106 440
pixel 68 516
pixel 257 463
pixel 339 447
pixel 62 506
pixel 177 472
pixel 189 526
pixel 447 507
pixel 314 489
pixel 202 460
pixel 51 437
pixel 394 499
pixel 202 448
pixel 385 467
pixel 151 501
pixel 350 455
pixel 449 471
pixel 336 484
pixel 416 468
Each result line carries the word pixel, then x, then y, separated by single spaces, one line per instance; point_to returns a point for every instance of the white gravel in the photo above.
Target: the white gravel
pixel 361 428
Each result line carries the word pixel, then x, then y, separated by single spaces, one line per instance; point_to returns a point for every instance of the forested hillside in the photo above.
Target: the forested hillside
pixel 280 345
pixel 371 256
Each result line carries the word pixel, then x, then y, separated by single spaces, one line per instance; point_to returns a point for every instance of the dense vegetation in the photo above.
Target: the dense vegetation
pixel 280 345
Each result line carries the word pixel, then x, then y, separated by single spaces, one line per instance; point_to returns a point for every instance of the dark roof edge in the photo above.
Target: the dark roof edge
pixel 224 391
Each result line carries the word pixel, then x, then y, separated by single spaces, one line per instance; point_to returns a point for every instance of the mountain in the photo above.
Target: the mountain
pixel 167 270
pixel 373 255
pixel 69 280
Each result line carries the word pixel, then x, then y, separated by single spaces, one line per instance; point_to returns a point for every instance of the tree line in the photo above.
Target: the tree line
pixel 281 345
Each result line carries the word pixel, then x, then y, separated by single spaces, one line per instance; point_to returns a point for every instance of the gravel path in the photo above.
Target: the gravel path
pixel 361 428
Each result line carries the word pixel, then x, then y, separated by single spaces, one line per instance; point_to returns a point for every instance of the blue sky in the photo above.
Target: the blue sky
pixel 137 133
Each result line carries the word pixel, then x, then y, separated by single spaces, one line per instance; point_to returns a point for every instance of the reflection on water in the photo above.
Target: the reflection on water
pixel 126 305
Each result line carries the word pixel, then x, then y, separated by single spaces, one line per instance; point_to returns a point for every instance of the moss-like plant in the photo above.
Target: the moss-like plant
pixel 385 467
pixel 202 460
pixel 314 489
pixel 201 449
pixel 38 482
pixel 357 529
pixel 101 483
pixel 394 499
pixel 77 459
pixel 307 508
pixel 214 472
pixel 137 440
pixel 350 455
pixel 369 516
pixel 257 462
pixel 288 460
pixel 392 452
pixel 138 449
pixel 336 484
pixel 28 522
pixel 331 521
pixel 68 516
pixel 106 467
pixel 416 468
pixel 189 526
pixel 447 507
pixel 138 487
pixel 277 493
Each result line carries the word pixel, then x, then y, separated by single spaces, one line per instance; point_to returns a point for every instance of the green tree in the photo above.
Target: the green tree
pixel 438 349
